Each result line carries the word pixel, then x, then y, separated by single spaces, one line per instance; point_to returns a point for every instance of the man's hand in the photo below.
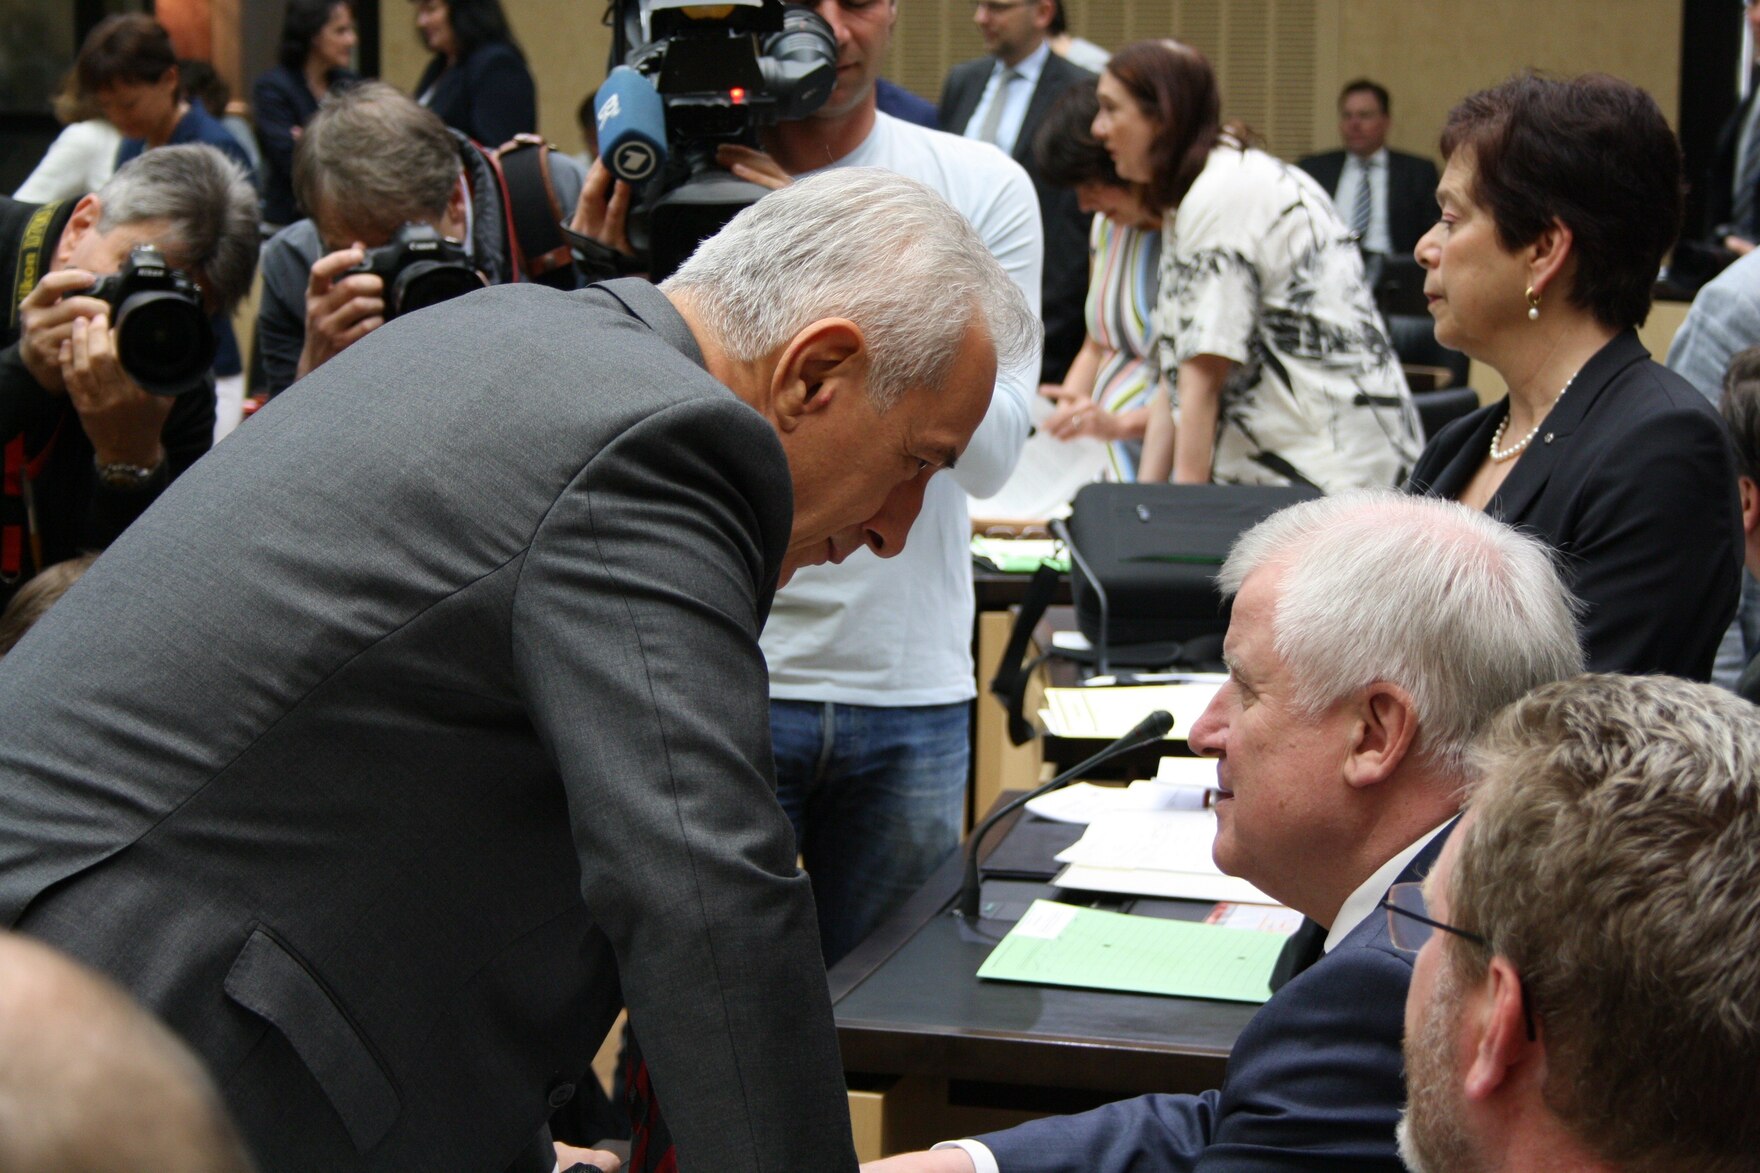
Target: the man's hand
pixel 567 1157
pixel 753 166
pixel 939 1161
pixel 122 421
pixel 340 310
pixel 46 318
pixel 1739 245
pixel 602 212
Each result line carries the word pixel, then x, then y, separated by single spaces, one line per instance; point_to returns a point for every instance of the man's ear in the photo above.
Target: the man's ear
pixel 1498 1042
pixel 456 218
pixel 1750 504
pixel 1386 727
pixel 824 362
pixel 84 220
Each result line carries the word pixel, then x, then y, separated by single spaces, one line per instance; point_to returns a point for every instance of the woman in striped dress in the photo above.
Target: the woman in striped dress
pixel 1106 392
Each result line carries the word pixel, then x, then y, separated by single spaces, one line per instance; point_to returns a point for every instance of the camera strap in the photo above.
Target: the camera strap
pixel 28 268
pixel 534 215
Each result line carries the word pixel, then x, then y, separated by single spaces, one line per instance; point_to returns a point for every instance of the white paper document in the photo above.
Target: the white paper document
pixel 1106 713
pixel 1153 853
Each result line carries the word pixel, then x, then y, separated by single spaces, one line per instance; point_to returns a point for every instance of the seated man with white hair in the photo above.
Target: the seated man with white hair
pixel 1372 636
pixel 1592 999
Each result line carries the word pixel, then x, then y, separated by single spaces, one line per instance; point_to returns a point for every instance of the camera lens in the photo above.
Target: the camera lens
pixel 164 341
pixel 427 283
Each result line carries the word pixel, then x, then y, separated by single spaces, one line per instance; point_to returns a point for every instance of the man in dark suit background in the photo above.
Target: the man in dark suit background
pixel 425 723
pixel 1400 203
pixel 1592 1002
pixel 1341 742
pixel 1003 99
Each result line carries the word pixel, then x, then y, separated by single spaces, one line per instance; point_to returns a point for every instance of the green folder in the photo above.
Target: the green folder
pixel 1062 945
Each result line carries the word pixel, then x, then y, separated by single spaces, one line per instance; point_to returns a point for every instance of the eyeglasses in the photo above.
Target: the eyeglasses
pixel 992 7
pixel 1410 925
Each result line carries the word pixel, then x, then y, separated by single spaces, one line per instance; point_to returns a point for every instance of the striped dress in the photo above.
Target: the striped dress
pixel 1124 277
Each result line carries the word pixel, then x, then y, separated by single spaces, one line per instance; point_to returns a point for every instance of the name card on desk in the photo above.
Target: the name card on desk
pixel 1062 945
pixel 1106 713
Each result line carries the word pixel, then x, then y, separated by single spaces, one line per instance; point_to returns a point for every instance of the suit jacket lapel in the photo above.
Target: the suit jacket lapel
pixel 1534 467
pixel 1044 94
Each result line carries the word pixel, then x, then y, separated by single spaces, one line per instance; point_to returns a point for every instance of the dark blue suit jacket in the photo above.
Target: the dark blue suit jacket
pixel 1315 1083
pixel 489 95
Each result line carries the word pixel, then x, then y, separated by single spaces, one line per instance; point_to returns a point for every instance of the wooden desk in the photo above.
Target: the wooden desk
pixel 951 1055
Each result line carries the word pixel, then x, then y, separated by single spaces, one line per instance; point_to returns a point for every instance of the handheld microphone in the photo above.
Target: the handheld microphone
pixel 632 125
pixel 1151 728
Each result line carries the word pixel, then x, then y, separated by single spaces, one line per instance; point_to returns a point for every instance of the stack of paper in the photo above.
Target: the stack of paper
pixel 1153 853
pixel 1179 784
pixel 1105 713
pixel 1061 945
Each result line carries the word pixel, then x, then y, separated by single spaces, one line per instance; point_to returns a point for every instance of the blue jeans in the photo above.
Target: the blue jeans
pixel 877 798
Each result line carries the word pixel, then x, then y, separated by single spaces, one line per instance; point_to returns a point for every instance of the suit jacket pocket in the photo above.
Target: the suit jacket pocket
pixel 269 981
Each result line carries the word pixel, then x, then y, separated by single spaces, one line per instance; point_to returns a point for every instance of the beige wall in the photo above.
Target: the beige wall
pixel 1281 62
pixel 1431 54
pixel 563 40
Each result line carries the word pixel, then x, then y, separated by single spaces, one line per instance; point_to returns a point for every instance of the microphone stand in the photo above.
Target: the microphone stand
pixel 1150 729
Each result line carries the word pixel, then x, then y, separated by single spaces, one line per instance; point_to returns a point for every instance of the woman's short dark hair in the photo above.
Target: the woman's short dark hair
pixel 1175 86
pixel 476 23
pixel 1065 147
pixel 129 48
pixel 1593 152
pixel 300 26
pixel 1741 409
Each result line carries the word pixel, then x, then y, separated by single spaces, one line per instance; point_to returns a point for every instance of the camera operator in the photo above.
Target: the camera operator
pixel 371 161
pixel 86 448
pixel 875 661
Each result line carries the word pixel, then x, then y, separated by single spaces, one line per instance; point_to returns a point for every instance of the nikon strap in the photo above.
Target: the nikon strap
pixel 28 269
pixel 534 215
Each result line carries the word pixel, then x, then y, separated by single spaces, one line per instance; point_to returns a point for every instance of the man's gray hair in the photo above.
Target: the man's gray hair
pixel 1461 611
pixel 374 159
pixel 210 205
pixel 886 252
pixel 1614 858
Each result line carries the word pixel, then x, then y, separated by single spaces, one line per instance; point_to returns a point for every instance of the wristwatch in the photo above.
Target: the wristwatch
pixel 126 476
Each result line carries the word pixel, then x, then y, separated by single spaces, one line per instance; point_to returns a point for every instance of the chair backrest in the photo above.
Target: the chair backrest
pixel 1438 409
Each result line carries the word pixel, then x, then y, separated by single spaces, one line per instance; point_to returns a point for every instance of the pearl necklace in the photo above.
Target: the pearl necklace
pixel 1498 456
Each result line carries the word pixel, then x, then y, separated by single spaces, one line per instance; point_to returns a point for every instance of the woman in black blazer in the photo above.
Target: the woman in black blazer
pixel 317 48
pixel 477 80
pixel 1557 204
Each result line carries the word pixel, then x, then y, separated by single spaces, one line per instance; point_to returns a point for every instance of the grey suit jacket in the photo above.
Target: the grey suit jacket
pixel 421 726
pixel 1064 291
pixel 1411 192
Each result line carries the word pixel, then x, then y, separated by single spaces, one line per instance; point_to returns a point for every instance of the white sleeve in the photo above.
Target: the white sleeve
pixel 1009 224
pixel 982 1157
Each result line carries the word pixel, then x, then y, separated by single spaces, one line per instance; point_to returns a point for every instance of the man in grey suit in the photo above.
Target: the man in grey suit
pixel 424 723
pixel 1398 205
pixel 1002 99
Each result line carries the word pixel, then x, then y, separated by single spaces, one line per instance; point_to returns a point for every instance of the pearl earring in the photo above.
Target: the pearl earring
pixel 1533 305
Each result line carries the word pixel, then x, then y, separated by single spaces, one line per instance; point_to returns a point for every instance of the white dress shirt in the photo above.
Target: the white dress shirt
pixel 1015 101
pixel 1375 237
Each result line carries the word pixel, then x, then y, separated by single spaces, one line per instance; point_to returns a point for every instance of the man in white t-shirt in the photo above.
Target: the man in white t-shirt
pixel 871 675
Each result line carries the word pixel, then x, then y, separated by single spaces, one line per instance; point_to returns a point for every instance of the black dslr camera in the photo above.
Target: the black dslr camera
pixel 164 338
pixel 420 268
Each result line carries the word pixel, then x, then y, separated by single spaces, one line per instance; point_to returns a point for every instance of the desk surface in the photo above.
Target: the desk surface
pixel 908 1001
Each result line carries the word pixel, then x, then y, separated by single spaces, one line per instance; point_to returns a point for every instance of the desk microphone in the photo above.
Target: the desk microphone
pixel 1150 729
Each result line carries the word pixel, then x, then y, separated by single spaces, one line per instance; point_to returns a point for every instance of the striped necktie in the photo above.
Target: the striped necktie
pixel 1360 209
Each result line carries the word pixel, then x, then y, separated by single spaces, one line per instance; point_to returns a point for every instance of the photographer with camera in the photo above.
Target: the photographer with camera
pixel 105 391
pixel 389 188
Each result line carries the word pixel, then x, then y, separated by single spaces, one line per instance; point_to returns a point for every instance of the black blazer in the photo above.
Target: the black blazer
pixel 1632 481
pixel 1720 179
pixel 489 95
pixel 280 102
pixel 1064 286
pixel 1411 192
